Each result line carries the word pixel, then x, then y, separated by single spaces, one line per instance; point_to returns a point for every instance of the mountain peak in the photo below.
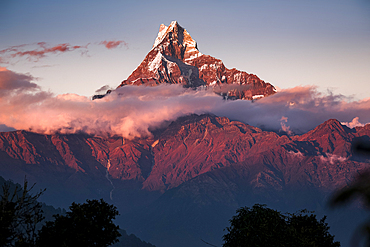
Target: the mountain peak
pixel 329 126
pixel 175 36
pixel 328 133
pixel 332 125
pixel 162 31
pixel 175 59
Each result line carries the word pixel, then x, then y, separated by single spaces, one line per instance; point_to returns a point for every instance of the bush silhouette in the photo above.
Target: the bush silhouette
pixel 87 224
pixel 261 226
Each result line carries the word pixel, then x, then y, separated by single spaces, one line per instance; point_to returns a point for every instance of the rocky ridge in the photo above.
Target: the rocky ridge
pixel 192 146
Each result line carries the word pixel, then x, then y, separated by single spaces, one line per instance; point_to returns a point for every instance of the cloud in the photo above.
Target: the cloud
pixel 113 44
pixel 14 48
pixel 11 82
pixel 332 158
pixel 297 154
pixel 303 107
pixel 132 111
pixel 129 111
pixel 42 50
pixel 35 51
pixel 284 126
pixel 354 123
pixel 4 128
pixel 44 66
pixel 103 89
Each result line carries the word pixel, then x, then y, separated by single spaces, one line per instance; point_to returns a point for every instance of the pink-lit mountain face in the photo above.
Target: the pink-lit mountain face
pixel 197 170
pixel 192 146
pixel 175 59
pixel 201 166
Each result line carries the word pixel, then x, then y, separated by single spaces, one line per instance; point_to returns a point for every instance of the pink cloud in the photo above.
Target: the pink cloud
pixel 11 82
pixel 14 48
pixel 38 53
pixel 43 49
pixel 133 111
pixel 113 44
pixel 354 123
pixel 129 112
pixel 301 108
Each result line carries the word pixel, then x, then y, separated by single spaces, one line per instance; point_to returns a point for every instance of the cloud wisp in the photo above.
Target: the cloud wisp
pixel 132 111
pixel 42 50
pixel 113 44
pixel 103 89
pixel 34 52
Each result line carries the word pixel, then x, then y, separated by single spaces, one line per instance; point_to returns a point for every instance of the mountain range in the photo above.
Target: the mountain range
pixel 203 160
pixel 180 185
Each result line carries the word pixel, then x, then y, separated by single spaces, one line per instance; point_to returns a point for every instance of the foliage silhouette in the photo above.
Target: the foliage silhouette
pixel 87 224
pixel 261 226
pixel 20 214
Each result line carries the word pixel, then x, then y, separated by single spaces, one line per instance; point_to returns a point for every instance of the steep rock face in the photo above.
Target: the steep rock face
pixel 77 162
pixel 167 60
pixel 175 59
pixel 131 160
pixel 195 145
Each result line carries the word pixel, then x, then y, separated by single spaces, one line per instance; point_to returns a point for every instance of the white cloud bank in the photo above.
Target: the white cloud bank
pixel 132 110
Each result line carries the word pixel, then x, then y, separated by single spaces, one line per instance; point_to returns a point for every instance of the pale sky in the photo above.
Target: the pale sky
pixel 287 43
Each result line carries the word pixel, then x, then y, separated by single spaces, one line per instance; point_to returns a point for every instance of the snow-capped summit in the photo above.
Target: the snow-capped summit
pixel 175 58
pixel 183 38
pixel 161 33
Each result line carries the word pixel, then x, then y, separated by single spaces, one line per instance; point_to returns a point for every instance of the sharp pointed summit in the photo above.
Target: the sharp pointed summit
pixel 175 59
pixel 175 35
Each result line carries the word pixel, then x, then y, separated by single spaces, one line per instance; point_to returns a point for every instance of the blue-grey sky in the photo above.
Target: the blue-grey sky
pixel 285 42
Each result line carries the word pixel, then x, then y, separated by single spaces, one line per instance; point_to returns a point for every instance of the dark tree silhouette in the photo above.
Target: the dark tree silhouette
pixel 87 224
pixel 20 214
pixel 261 226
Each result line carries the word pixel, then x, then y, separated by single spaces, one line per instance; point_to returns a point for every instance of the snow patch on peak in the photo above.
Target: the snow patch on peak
pixel 162 31
pixel 193 56
pixel 156 62
pixel 258 96
pixel 155 143
pixel 173 23
pixel 162 27
pixel 187 41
